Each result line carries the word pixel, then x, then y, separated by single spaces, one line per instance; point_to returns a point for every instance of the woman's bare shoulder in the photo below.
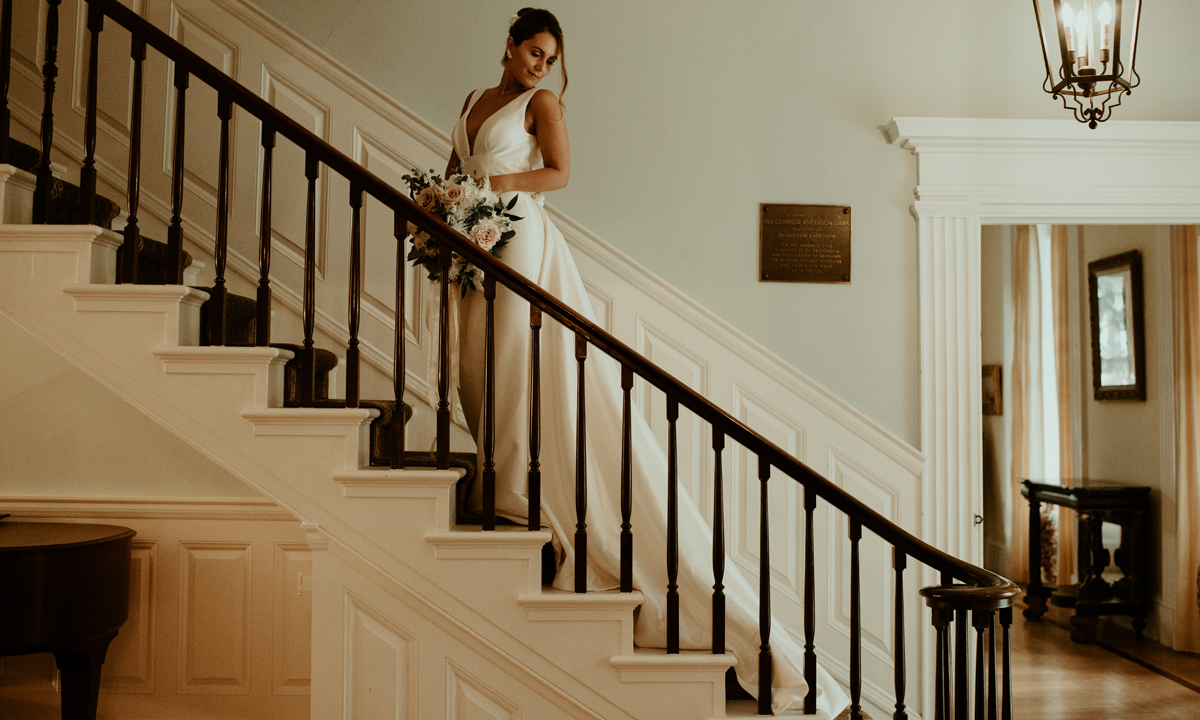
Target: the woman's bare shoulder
pixel 545 103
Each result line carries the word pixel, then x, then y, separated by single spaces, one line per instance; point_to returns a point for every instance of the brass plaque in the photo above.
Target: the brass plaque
pixel 804 243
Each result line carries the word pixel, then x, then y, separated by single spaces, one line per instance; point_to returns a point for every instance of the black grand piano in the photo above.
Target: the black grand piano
pixel 64 589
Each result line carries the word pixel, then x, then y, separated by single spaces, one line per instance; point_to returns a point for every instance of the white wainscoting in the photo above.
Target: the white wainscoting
pixel 732 370
pixel 219 619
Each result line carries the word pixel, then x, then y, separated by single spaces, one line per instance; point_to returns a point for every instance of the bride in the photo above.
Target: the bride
pixel 515 134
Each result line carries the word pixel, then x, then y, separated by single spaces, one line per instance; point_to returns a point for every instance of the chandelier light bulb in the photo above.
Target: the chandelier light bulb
pixel 1068 20
pixel 1081 29
pixel 1106 15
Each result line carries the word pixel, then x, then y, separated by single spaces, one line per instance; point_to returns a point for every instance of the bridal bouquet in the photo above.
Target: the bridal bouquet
pixel 468 207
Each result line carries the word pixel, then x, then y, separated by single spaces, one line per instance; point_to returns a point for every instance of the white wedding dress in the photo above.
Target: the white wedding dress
pixel 539 252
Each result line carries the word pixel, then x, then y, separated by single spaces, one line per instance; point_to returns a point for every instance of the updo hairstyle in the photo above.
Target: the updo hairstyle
pixel 530 22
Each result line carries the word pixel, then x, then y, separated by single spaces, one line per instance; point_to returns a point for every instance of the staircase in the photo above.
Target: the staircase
pixel 416 613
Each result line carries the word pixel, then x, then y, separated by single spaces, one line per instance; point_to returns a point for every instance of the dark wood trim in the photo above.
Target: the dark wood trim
pixel 1137 391
pixel 175 229
pixel 262 322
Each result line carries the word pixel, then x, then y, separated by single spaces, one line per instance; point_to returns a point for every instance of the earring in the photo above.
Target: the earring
pixel 507 55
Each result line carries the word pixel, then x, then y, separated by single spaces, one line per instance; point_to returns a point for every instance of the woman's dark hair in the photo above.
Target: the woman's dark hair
pixel 530 22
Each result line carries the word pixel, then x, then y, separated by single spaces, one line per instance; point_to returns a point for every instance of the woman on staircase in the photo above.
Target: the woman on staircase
pixel 515 135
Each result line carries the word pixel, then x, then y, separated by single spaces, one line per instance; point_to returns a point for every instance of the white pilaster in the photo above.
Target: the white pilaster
pixel 951 423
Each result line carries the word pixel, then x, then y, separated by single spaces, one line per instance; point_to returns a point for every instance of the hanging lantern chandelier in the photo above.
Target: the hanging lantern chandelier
pixel 1092 76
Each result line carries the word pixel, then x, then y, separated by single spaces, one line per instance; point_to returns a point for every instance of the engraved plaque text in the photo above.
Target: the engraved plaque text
pixel 804 243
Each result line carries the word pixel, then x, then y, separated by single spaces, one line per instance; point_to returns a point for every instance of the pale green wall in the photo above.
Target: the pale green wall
pixel 63 434
pixel 684 116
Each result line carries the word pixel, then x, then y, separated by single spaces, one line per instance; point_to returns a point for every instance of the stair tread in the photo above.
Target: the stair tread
pixel 650 658
pixel 565 599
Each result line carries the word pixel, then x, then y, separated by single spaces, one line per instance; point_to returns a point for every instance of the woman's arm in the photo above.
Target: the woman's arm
pixel 455 161
pixel 550 128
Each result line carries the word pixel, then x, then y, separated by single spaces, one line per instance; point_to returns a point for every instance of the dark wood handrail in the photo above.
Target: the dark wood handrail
pixel 981 589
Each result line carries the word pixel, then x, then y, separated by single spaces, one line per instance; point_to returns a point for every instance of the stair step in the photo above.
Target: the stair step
pixel 318 422
pixel 266 364
pixel 410 483
pixel 505 542
pixel 655 665
pixel 64 196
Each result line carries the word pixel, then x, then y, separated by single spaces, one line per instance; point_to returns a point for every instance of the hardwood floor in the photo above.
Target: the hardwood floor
pixel 1118 677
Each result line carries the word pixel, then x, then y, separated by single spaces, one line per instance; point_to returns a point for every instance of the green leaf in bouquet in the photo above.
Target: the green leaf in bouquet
pixel 512 202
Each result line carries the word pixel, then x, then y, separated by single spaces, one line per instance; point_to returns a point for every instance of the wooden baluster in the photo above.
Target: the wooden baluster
pixel 41 194
pixel 489 403
pixel 308 363
pixel 991 700
pixel 961 660
pixel 535 418
pixel 217 303
pixel 399 376
pixel 626 479
pixel 941 691
pixel 672 527
pixel 855 622
pixel 899 561
pixel 262 322
pixel 5 75
pixel 87 173
pixel 443 408
pixel 764 593
pixel 810 603
pixel 718 599
pixel 1006 708
pixel 979 621
pixel 133 237
pixel 581 470
pixel 353 363
pixel 175 230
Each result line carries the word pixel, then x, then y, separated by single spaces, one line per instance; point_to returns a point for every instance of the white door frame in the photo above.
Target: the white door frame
pixel 972 172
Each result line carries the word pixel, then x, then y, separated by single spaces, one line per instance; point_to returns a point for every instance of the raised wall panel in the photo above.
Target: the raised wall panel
pixel 202 138
pixel 468 698
pixel 380 665
pixel 27 41
pixel 28 674
pixel 785 500
pixel 214 632
pixel 290 186
pixel 129 665
pixel 693 435
pixel 380 244
pixel 291 620
pixel 875 557
pixel 602 305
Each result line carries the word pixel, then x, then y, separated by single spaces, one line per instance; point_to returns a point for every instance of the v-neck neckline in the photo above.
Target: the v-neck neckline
pixel 479 130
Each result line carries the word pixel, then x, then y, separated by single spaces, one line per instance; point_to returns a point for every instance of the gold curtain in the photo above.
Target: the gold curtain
pixel 1024 246
pixel 1185 289
pixel 1062 370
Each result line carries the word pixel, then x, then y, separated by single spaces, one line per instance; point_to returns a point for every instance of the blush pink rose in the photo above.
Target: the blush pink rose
pixel 451 193
pixel 427 199
pixel 486 234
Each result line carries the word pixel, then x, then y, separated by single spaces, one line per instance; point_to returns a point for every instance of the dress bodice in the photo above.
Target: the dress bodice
pixel 502 145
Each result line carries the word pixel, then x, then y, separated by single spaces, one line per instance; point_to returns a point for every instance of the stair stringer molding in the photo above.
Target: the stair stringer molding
pixel 387 560
pixel 716 359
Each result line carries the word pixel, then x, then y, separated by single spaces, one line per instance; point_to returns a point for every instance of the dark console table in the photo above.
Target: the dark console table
pixel 64 589
pixel 1093 596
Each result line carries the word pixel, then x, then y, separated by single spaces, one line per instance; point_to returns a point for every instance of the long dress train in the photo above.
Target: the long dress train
pixel 540 252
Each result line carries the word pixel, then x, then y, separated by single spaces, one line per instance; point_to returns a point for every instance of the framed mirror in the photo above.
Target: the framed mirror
pixel 1118 337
